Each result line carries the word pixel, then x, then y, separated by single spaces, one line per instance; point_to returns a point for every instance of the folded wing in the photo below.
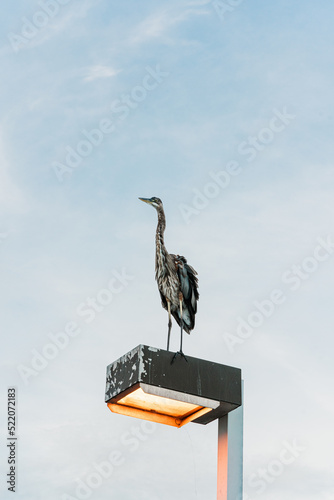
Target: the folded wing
pixel 189 288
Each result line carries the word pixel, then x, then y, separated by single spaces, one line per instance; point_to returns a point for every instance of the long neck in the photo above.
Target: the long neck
pixel 161 252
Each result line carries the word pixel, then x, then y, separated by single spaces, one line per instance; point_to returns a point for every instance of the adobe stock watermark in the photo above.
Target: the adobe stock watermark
pixel 59 341
pixel 225 7
pixel 250 149
pixel 259 481
pixel 39 20
pixel 120 110
pixel 100 471
pixel 293 279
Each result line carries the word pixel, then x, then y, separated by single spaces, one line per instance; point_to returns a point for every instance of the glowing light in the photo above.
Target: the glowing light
pixel 155 408
pixel 158 404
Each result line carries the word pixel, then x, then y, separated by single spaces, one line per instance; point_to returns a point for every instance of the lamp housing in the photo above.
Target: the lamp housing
pixel 144 383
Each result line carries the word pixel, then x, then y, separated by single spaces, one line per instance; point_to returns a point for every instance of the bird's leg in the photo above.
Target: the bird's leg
pixel 180 352
pixel 181 300
pixel 169 323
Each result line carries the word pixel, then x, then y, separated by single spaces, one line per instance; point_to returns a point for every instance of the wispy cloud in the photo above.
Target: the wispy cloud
pixel 158 25
pixel 99 71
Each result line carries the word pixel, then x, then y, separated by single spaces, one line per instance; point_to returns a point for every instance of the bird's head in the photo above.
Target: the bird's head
pixel 155 202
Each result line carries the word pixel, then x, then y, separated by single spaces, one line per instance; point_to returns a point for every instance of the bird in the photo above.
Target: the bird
pixel 177 280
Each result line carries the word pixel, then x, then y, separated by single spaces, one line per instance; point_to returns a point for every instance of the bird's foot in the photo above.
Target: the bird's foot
pixel 178 353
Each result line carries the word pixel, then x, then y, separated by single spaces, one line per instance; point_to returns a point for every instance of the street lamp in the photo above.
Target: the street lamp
pixel 145 384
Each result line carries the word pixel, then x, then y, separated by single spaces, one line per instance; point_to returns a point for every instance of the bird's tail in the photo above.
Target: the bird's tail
pixel 188 320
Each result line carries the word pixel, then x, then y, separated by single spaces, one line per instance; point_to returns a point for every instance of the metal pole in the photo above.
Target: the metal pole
pixel 230 456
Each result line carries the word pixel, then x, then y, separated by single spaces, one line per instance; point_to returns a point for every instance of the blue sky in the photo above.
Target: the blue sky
pixel 225 111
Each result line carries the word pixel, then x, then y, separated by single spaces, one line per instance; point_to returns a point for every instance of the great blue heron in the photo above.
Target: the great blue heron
pixel 177 280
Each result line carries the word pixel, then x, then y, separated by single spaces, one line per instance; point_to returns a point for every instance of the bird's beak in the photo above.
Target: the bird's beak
pixel 146 200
